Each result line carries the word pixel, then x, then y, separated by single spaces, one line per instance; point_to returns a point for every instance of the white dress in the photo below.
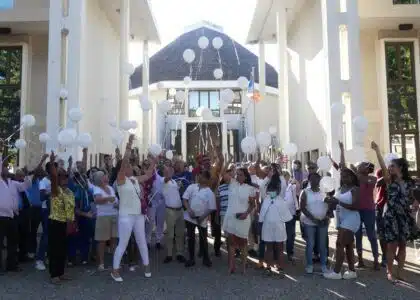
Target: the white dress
pixel 273 215
pixel 238 203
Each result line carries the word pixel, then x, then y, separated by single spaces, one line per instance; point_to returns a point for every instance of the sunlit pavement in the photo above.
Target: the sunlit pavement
pixel 173 281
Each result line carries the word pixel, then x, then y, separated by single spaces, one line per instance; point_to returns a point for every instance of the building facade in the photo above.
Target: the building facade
pixel 180 129
pixel 76 46
pixel 364 54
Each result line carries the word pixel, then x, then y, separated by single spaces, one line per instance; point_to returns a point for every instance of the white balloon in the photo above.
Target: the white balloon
pixel 75 114
pixel 356 154
pixel 188 56
pixel 338 109
pixel 199 111
pixel 169 154
pixel 125 125
pixel 164 106
pixel 327 184
pixel 117 137
pixel 203 42
pixel 155 149
pixel 44 137
pixel 324 163
pixel 290 149
pixel 187 80
pixel 227 96
pixel 218 73
pixel 84 140
pixel 242 82
pixel 113 123
pixel 172 92
pixel 180 96
pixel 272 130
pixel 129 69
pixel 360 123
pixel 145 104
pixel 64 93
pixel 134 124
pixel 20 144
pixel 264 139
pixel 28 121
pixel 388 158
pixel 217 42
pixel 249 145
pixel 206 113
pixel 66 137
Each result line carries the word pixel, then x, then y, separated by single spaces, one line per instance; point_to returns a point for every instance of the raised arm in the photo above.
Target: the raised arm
pixel 148 173
pixel 125 161
pixel 342 155
pixel 85 159
pixel 335 165
pixel 70 165
pixel 381 161
pixel 53 175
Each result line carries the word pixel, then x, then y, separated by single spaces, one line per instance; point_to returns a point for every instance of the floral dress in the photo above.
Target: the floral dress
pixel 399 226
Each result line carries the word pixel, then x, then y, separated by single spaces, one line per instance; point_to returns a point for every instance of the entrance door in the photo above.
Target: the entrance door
pixel 202 138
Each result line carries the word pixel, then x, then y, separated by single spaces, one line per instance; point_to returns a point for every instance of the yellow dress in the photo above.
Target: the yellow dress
pixel 62 206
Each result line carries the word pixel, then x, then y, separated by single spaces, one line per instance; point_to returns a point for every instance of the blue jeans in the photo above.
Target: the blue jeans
pixel 367 217
pixel 43 243
pixel 291 235
pixel 319 233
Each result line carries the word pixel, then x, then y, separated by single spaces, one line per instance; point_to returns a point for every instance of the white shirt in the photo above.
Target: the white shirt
pixel 106 209
pixel 201 200
pixel 171 195
pixel 130 193
pixel 263 187
pixel 45 184
pixel 291 198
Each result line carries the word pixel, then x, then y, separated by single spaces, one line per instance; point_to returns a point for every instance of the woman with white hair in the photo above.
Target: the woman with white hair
pixel 132 210
pixel 106 212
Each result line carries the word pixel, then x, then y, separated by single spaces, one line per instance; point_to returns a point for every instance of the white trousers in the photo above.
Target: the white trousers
pixel 126 225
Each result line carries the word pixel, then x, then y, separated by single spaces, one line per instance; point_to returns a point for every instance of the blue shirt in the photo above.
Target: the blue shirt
pixel 33 194
pixel 184 179
pixel 82 196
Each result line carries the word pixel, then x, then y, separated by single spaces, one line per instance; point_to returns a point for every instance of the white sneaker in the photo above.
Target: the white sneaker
pixel 101 268
pixel 31 255
pixel 147 274
pixel 39 265
pixel 132 268
pixel 333 275
pixel 116 278
pixel 309 269
pixel 349 275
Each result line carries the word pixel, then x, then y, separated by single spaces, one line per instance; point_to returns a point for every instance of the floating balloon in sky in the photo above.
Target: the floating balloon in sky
pixel 217 42
pixel 203 42
pixel 188 56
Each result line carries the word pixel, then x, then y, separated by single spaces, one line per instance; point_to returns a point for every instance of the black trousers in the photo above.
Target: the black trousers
pixel 216 231
pixel 23 220
pixel 9 230
pixel 57 247
pixel 36 219
pixel 204 247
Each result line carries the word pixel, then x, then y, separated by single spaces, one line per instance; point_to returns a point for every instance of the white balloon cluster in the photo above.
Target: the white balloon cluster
pixel 67 137
pixel 263 139
pixel 272 130
pixel 44 137
pixel 242 82
pixel 218 73
pixel 20 144
pixel 249 145
pixel 84 140
pixel 217 43
pixel 117 137
pixel 155 149
pixel 203 42
pixel 169 154
pixel 128 125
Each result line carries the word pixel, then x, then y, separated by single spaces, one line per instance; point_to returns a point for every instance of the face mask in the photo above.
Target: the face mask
pixel 272 194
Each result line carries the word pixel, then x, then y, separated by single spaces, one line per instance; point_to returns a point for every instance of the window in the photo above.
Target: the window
pixel 203 98
pixel 7 4
pixel 233 143
pixel 406 1
pixel 175 143
pixel 402 102
pixel 235 108
pixel 177 106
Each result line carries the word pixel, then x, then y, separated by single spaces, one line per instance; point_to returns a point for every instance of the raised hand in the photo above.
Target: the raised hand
pixel 374 146
pixel 52 156
pixel 341 145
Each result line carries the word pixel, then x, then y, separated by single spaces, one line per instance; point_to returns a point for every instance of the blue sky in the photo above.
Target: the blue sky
pixel 173 16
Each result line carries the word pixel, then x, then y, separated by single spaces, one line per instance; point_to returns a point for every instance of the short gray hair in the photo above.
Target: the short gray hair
pixel 98 177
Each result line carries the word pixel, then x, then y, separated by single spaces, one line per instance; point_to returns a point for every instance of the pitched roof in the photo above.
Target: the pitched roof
pixel 168 64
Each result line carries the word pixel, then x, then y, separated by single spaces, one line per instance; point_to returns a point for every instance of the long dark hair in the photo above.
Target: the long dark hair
pixel 403 165
pixel 354 178
pixel 275 182
pixel 247 175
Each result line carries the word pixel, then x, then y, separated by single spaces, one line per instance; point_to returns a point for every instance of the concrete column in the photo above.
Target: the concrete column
pixel 283 120
pixel 146 94
pixel 261 68
pixel 124 77
pixel 54 70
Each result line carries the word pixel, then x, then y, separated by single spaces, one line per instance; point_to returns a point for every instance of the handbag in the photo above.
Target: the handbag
pixel 72 228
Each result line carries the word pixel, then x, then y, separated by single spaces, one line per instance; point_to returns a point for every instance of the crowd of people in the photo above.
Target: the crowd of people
pixel 85 213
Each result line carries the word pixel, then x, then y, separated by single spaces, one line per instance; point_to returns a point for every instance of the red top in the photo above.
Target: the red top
pixel 380 190
pixel 366 196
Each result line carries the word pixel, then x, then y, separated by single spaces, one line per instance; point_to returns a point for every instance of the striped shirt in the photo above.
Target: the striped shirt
pixel 223 190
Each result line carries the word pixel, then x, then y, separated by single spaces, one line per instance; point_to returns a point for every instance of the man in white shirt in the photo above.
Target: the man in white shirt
pixel 174 216
pixel 200 202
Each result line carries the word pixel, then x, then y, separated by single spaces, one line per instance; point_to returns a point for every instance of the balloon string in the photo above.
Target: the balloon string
pixel 220 60
pixel 200 62
pixel 10 136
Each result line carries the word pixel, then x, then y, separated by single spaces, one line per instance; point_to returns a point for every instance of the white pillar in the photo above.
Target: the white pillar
pixel 283 120
pixel 124 77
pixel 261 68
pixel 146 94
pixel 54 68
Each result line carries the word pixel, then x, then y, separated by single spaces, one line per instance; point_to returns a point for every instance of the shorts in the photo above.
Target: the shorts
pixel 106 228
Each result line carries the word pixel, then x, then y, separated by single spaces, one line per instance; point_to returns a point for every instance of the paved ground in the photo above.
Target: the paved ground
pixel 173 281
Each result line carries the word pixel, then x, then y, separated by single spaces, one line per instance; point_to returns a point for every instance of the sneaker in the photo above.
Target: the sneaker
pixel 101 268
pixel 349 275
pixel 333 275
pixel 116 277
pixel 309 269
pixel 84 263
pixel 31 255
pixel 39 265
pixel 325 269
pixel 147 272
pixel 132 268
